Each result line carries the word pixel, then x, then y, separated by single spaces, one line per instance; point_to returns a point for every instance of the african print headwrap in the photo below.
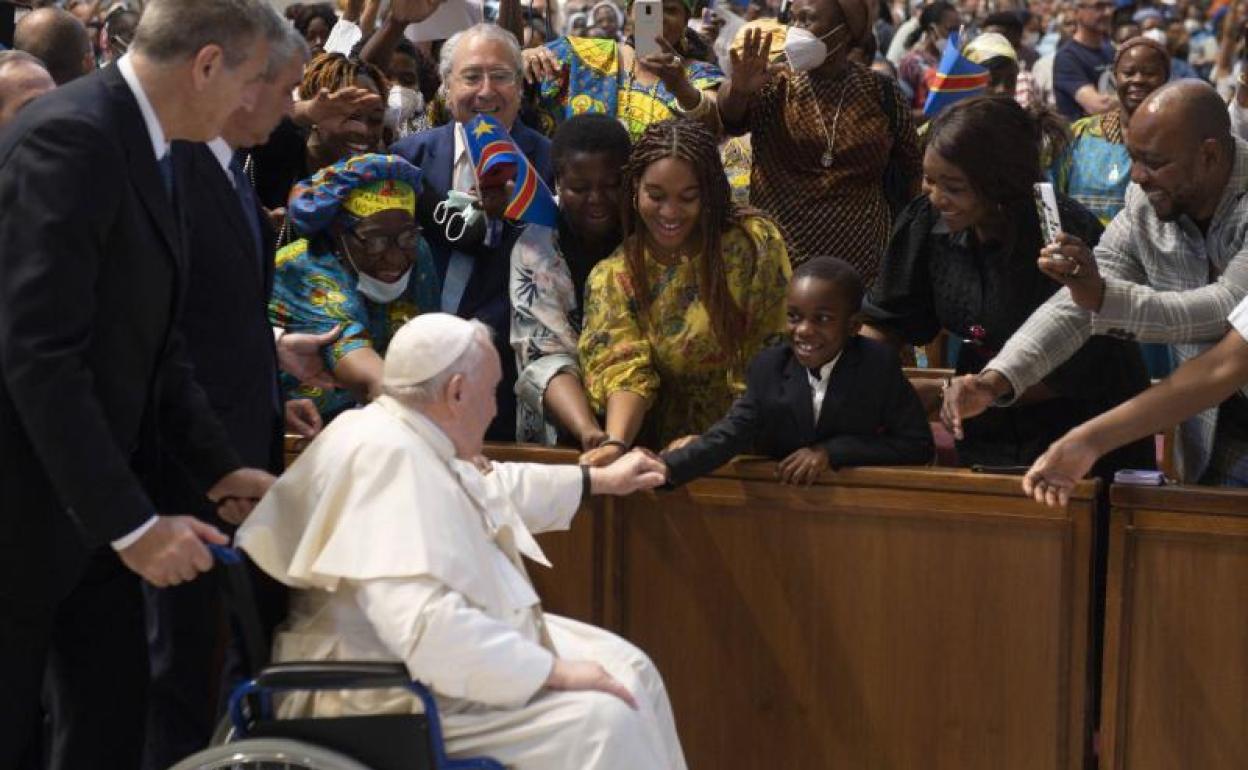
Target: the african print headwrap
pixel 354 188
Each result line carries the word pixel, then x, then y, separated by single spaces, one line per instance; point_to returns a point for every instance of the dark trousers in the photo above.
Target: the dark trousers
pixel 195 661
pixel 76 643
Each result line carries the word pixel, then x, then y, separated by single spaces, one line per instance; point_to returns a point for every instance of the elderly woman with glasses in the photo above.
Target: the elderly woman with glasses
pixel 361 265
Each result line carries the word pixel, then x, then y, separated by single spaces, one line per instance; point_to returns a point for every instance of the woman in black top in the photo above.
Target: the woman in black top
pixel 963 258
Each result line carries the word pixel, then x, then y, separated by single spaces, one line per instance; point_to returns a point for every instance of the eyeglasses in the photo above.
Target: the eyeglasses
pixel 376 245
pixel 499 77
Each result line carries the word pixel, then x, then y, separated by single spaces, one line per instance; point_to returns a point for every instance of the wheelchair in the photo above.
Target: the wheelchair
pixel 251 738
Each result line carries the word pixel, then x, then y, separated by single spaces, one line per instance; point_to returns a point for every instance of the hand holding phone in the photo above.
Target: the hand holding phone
pixel 1050 216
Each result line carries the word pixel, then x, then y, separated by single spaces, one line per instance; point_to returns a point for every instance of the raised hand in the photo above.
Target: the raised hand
pixel 412 11
pixel 669 65
pixel 172 551
pixel 752 68
pixel 332 108
pixel 1069 261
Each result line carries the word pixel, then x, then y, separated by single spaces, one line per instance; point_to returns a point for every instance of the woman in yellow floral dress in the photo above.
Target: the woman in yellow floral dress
pixel 694 291
pixel 577 75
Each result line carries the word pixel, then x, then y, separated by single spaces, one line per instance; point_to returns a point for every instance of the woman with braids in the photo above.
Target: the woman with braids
pixel 549 269
pixel 835 152
pixel 340 112
pixel 1096 168
pixel 963 259
pixel 694 291
pixel 577 75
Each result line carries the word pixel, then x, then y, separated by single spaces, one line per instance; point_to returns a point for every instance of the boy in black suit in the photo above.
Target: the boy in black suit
pixel 827 399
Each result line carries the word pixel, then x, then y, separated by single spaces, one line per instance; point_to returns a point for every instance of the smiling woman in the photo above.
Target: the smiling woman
pixel 696 289
pixel 360 132
pixel 963 259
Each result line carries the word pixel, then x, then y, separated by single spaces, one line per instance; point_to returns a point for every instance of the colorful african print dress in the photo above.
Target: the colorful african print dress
pixel 313 292
pixel 594 81
pixel 673 360
pixel 1096 168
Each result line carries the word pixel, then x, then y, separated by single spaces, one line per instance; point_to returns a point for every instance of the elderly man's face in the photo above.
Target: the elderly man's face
pixel 482 396
pixel 20 83
pixel 250 128
pixel 221 90
pixel 484 80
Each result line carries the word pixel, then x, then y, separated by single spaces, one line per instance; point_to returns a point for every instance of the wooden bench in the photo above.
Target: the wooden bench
pixel 1176 641
pixel 890 618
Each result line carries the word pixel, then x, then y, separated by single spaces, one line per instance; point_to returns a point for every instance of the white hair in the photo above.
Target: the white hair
pixel 485 30
pixel 469 363
pixel 285 43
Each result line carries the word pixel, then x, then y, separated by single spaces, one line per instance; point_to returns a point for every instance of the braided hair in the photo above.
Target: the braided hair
pixel 333 71
pixel 691 142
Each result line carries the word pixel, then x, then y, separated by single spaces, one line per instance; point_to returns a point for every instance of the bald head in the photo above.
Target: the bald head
pixel 22 78
pixel 1188 109
pixel 59 40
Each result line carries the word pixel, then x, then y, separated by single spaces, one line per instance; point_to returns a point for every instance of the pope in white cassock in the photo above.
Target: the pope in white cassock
pixel 401 548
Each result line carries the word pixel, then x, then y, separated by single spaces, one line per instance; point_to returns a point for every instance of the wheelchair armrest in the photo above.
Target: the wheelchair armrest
pixel 334 675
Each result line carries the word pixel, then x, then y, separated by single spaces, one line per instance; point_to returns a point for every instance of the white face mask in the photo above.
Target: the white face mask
pixel 401 104
pixel 376 290
pixel 456 214
pixel 804 51
pixel 379 291
pixel 1031 39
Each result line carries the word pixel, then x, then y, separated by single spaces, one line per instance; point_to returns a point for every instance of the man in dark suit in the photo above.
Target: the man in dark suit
pixel 481 68
pixel 827 399
pixel 229 342
pixel 93 376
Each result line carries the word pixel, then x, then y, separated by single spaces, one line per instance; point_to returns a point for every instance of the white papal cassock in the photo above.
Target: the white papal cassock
pixel 398 550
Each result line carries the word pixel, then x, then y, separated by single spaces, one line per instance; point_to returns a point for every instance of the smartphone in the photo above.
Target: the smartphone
pixel 647 27
pixel 1046 206
pixel 1140 478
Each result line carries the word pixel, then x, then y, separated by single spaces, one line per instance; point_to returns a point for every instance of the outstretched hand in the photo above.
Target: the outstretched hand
pixel 966 397
pixel 299 355
pixel 637 470
pixel 1055 473
pixel 752 68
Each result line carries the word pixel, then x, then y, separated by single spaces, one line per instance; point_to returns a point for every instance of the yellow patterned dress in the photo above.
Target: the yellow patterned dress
pixel 675 361
pixel 592 80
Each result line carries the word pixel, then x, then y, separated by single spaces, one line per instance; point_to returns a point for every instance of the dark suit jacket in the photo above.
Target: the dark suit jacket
pixel 92 275
pixel 225 323
pixel 486 297
pixel 870 415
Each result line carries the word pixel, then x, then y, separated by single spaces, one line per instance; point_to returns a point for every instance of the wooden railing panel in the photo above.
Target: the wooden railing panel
pixel 1176 648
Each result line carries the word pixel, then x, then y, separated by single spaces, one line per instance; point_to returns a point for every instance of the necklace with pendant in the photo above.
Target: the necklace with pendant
pixel 829 138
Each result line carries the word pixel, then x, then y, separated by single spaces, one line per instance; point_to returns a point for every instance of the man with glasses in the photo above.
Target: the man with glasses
pixel 481 70
pixel 1170 268
pixel 1078 66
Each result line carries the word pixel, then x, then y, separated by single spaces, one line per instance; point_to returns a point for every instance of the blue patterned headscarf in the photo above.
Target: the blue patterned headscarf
pixel 322 199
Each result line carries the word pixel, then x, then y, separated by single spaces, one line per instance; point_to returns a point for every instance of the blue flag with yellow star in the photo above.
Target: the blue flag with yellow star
pixel 497 160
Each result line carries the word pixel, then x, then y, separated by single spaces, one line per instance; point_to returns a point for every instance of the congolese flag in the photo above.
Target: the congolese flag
pixel 497 160
pixel 955 78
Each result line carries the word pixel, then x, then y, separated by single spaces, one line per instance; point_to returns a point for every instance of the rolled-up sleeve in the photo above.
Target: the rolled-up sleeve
pixel 451 646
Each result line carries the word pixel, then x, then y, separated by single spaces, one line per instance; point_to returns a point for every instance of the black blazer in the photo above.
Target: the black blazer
pixel 225 322
pixel 92 275
pixel 486 297
pixel 870 415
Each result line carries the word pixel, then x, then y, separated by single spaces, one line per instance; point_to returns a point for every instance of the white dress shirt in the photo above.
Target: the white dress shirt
pixel 160 148
pixel 819 386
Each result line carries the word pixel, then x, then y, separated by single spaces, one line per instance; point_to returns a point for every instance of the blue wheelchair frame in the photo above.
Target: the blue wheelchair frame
pixel 332 675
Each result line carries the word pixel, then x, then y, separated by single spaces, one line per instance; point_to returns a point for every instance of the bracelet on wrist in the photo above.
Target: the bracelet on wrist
pixel 609 441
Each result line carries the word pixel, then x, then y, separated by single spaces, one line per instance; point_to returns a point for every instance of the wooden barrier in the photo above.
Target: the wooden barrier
pixel 883 618
pixel 1176 641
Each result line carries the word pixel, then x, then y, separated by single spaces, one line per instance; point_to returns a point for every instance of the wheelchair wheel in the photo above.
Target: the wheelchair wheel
pixel 268 754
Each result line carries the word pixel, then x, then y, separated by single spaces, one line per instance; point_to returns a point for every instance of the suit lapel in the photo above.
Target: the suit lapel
pixel 209 173
pixel 839 385
pixel 796 394
pixel 144 173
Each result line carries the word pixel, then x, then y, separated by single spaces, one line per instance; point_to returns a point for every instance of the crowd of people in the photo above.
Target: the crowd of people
pixel 223 223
